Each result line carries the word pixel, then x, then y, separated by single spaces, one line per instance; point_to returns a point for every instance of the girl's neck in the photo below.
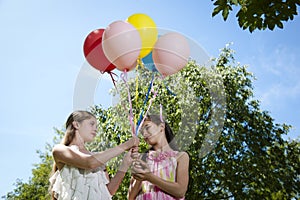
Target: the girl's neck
pixel 80 146
pixel 78 141
pixel 163 146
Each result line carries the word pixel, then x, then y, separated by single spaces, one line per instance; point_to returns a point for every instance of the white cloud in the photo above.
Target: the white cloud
pixel 277 74
pixel 278 84
pixel 278 94
pixel 281 61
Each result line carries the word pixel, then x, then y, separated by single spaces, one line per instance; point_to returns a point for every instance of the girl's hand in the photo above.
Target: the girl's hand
pixel 128 159
pixel 132 142
pixel 140 170
pixel 135 153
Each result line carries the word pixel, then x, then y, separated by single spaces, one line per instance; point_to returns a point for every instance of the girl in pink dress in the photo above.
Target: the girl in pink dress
pixel 163 172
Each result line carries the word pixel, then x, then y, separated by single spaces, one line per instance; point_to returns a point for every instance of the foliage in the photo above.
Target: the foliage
pixel 257 14
pixel 37 187
pixel 250 160
pixel 236 150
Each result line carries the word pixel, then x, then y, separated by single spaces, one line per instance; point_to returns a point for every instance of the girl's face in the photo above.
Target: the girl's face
pixel 151 132
pixel 88 129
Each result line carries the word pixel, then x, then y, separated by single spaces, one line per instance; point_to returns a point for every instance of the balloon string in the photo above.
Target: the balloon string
pixel 124 77
pixel 139 64
pixel 150 103
pixel 160 113
pixel 168 89
pixel 112 78
pixel 145 102
pixel 136 88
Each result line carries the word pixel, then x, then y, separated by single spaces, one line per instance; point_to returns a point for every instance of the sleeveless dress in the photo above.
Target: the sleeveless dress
pixel 71 183
pixel 164 165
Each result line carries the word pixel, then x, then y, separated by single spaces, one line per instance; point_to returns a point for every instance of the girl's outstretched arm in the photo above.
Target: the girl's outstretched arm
pixel 65 155
pixel 115 182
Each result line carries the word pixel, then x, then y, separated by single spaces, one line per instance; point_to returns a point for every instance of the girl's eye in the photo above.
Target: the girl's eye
pixel 145 128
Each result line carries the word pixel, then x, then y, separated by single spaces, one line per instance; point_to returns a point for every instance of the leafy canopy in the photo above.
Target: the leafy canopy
pixel 236 150
pixel 258 14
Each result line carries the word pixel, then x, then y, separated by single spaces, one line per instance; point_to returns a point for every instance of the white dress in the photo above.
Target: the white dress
pixel 71 183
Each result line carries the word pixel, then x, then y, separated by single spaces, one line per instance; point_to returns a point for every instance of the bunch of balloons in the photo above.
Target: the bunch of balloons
pixel 123 44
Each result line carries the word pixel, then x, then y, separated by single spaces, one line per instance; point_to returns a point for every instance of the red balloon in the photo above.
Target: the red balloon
pixel 93 52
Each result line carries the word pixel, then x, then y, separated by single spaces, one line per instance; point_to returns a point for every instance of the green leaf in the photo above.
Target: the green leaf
pixel 235 2
pixel 216 10
pixel 280 24
pixel 225 13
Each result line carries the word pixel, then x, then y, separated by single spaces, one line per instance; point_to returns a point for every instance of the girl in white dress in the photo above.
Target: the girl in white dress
pixel 79 174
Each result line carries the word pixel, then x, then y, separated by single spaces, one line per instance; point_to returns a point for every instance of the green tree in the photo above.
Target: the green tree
pixel 257 14
pixel 37 187
pixel 236 150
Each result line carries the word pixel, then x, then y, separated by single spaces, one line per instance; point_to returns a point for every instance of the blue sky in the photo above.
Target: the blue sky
pixel 41 55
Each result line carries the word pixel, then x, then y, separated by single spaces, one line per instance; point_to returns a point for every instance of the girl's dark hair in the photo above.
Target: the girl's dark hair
pixel 157 119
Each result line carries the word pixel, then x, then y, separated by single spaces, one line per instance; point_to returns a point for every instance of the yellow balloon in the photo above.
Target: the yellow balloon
pixel 147 29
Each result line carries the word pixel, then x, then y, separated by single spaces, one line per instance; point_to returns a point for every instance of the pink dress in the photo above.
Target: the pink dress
pixel 164 165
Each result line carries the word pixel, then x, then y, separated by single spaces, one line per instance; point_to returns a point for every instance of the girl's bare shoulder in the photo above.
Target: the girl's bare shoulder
pixel 182 155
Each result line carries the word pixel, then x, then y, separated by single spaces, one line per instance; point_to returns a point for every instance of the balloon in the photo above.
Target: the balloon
pixel 148 62
pixel 170 53
pixel 93 52
pixel 121 45
pixel 147 30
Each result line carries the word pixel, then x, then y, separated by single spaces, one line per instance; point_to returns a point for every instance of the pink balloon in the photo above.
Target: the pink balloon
pixel 170 53
pixel 121 45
